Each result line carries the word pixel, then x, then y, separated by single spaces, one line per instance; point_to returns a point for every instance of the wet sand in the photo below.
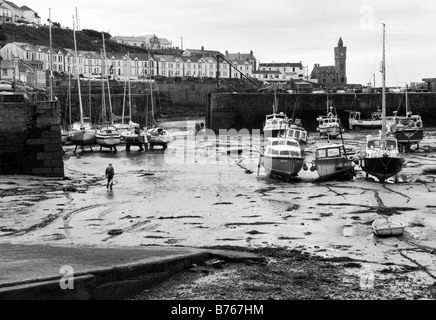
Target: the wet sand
pixel 217 199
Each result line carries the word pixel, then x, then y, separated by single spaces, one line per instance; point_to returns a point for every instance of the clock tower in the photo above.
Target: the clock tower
pixel 340 62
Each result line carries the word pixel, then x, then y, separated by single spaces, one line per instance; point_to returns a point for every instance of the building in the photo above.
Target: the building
pixel 11 13
pixel 150 41
pixel 279 72
pixel 332 76
pixel 243 56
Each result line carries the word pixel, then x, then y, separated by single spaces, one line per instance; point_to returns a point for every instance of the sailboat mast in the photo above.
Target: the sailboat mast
pixel 103 101
pixel 108 85
pixel 407 101
pixel 383 134
pixel 51 55
pixel 128 73
pixel 151 92
pixel 77 70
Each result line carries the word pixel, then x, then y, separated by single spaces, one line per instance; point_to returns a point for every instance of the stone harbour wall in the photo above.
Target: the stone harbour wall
pixel 248 110
pixel 30 137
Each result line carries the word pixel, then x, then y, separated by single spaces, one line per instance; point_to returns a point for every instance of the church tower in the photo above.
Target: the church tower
pixel 340 62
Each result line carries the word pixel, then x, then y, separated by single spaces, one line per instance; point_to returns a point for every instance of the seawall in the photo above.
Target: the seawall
pixel 30 137
pixel 248 110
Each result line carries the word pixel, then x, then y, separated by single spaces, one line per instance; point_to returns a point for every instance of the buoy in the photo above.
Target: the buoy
pixel 312 168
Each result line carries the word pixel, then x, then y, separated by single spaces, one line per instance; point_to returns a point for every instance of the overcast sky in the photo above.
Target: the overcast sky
pixel 276 30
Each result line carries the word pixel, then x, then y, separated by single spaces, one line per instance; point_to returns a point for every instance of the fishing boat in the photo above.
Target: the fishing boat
pixel 408 129
pixel 386 226
pixel 276 123
pixel 332 162
pixel 329 125
pixel 296 130
pixel 82 132
pixel 382 158
pixel 282 156
pixel 373 122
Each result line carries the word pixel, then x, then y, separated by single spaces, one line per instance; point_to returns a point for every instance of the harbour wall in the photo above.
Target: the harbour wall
pixel 30 137
pixel 248 110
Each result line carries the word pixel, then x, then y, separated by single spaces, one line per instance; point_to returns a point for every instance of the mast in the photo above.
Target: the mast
pixel 108 87
pixel 77 70
pixel 103 101
pixel 51 56
pixel 407 101
pixel 151 92
pixel 130 97
pixel 383 131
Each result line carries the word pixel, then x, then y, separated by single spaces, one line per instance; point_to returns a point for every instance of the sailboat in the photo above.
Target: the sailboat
pixel 356 121
pixel 408 129
pixel 131 132
pixel 275 123
pixel 107 136
pixel 157 136
pixel 81 132
pixel 329 125
pixel 382 158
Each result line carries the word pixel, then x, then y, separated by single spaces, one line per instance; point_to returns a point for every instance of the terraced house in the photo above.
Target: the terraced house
pixel 11 13
pixel 136 66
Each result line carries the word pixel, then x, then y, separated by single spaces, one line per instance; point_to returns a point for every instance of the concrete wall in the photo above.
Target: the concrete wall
pixel 30 137
pixel 237 111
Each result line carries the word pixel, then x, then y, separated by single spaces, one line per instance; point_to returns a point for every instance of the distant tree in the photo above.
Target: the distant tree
pixel 56 24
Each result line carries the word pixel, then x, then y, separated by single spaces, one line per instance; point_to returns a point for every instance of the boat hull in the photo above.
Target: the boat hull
pixel 108 142
pixel 382 167
pixel 409 136
pixel 365 124
pixel 385 227
pixel 80 137
pixel 330 131
pixel 284 167
pixel 333 168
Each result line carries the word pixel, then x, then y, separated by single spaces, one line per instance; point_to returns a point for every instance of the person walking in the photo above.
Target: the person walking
pixel 110 176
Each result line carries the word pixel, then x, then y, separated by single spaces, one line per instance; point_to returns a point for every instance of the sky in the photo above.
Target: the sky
pixel 276 30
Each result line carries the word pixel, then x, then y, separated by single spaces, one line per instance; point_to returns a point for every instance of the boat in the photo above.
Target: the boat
pixel 135 137
pixel 329 125
pixel 332 162
pixel 82 132
pixel 64 136
pixel 381 157
pixel 408 129
pixel 386 226
pixel 107 136
pixel 282 156
pixel 159 137
pixel 374 122
pixel 295 130
pixel 276 123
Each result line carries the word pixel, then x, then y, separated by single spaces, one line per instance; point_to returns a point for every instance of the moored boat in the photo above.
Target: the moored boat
pixel 295 130
pixel 108 137
pixel 331 162
pixel 282 157
pixel 329 125
pixel 275 123
pixel 381 157
pixel 355 121
pixel 159 137
pixel 408 129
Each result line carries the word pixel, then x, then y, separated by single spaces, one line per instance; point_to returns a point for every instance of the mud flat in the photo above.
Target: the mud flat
pixel 214 198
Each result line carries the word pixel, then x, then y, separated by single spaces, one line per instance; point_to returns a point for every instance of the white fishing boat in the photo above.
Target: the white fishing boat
pixel 275 123
pixel 373 122
pixel 295 130
pixel 282 156
pixel 386 226
pixel 381 157
pixel 329 125
pixel 407 129
pixel 332 162
pixel 135 137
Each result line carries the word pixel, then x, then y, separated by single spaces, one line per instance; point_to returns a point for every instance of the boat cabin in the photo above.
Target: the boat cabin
pixel 296 133
pixel 331 151
pixel 283 147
